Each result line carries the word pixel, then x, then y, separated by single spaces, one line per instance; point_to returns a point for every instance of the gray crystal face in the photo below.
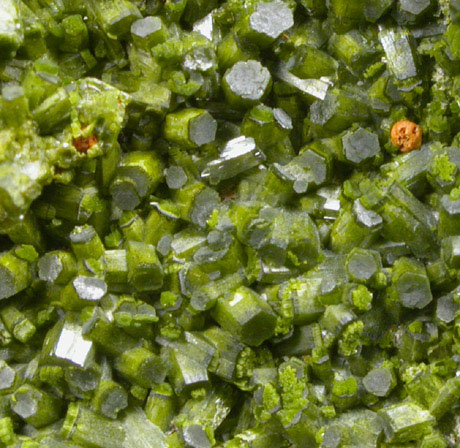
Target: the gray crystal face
pixel 195 436
pixel 248 80
pixel 145 27
pixel 12 91
pixel 8 19
pixel 214 275
pixel 89 288
pixel 317 88
pixel 271 19
pixel 414 6
pixel 82 234
pixel 365 217
pixel 360 146
pixel 219 240
pixel 282 118
pixel 238 155
pixel 271 273
pixel 7 284
pixel 307 169
pixel 202 129
pixel 413 290
pixel 332 437
pixel 332 205
pixel 200 59
pixel 322 111
pixel 49 267
pixel 375 10
pixel 435 29
pixel 451 207
pixel 362 266
pixel 32 368
pixel 26 404
pixel 205 27
pixel 207 255
pixel 140 432
pixel 451 251
pixel 125 195
pixel 183 243
pixel 81 380
pixel 398 53
pixel 205 202
pixel 7 376
pixel 446 309
pixel 71 346
pixel 176 177
pixel 193 372
pixel 378 382
pixel 164 245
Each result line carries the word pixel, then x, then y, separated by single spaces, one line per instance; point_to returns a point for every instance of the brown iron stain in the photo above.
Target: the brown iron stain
pixel 82 144
pixel 407 135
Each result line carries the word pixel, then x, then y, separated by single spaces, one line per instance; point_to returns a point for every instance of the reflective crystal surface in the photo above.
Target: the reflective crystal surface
pixel 367 218
pixel 205 27
pixel 317 88
pixel 7 376
pixel 89 288
pixel 49 267
pixel 398 53
pixel 202 129
pixel 271 19
pixel 176 177
pixel 71 346
pixel 237 156
pixel 248 80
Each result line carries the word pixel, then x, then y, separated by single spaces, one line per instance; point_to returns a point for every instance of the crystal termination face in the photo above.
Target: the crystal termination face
pixel 248 79
pixel 89 288
pixel 71 346
pixel 271 19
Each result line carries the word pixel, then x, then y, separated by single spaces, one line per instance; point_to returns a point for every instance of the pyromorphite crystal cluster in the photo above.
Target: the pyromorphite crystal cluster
pixel 230 223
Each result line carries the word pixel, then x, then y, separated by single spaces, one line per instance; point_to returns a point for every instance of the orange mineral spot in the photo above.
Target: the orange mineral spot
pixel 82 144
pixel 407 135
